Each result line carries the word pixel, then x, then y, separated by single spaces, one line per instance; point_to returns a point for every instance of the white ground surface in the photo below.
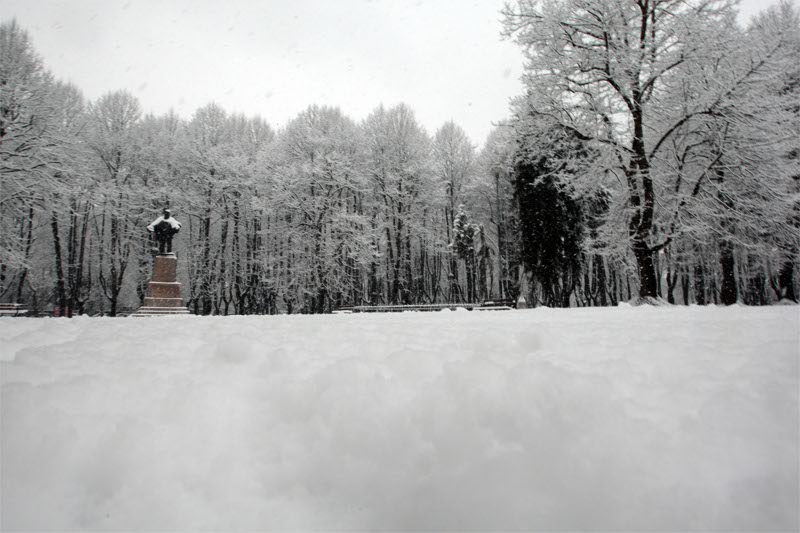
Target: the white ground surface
pixel 624 418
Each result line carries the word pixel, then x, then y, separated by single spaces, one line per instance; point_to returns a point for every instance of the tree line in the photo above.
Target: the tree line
pixel 668 139
pixel 653 155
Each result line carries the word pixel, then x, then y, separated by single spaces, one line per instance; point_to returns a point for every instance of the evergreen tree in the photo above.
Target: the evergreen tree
pixel 551 230
pixel 464 247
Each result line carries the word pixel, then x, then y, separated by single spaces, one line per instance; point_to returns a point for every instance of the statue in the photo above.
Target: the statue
pixel 163 228
pixel 163 294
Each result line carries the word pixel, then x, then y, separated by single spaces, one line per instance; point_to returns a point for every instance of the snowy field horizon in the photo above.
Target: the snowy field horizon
pixel 616 419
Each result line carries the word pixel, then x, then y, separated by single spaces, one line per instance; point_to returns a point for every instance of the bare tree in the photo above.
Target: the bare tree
pixel 113 121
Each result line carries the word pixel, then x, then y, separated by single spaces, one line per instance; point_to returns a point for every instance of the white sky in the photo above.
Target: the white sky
pixel 274 58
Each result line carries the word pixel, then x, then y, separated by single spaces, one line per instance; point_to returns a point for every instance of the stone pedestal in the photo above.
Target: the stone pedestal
pixel 163 295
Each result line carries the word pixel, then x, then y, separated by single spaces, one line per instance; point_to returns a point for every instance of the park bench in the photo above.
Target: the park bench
pixel 505 303
pixel 12 310
pixel 489 305
pixel 409 307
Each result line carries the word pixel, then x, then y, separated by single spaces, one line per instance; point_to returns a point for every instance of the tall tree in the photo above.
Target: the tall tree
pixel 113 121
pixel 70 200
pixel 318 187
pixel 206 156
pixel 454 164
pixel 27 146
pixel 398 161
pixel 464 233
pixel 732 179
pixel 551 218
pixel 603 69
pixel 495 190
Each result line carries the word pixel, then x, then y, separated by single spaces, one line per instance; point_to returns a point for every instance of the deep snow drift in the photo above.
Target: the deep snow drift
pixel 585 419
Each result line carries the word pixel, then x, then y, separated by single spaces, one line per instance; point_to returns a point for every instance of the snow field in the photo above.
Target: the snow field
pixel 585 419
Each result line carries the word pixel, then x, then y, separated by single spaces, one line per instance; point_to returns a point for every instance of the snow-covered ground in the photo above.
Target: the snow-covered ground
pixel 667 418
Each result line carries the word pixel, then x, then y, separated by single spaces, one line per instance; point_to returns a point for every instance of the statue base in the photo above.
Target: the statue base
pixel 163 295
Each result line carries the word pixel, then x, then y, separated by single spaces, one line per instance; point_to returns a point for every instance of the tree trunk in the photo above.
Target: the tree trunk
pixel 411 297
pixel 391 284
pixel 699 283
pixel 205 288
pixel 28 245
pixel 600 279
pixel 77 255
pixel 786 281
pixel 61 293
pixel 222 276
pixel 685 283
pixel 113 297
pixel 238 306
pixel 642 201
pixel 645 267
pixel 82 261
pixel 672 281
pixel 728 291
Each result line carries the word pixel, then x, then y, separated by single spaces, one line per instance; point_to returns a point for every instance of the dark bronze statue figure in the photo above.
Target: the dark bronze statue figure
pixel 162 229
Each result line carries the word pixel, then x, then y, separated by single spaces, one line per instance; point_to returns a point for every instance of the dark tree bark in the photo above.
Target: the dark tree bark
pixel 28 236
pixel 672 280
pixel 728 291
pixel 642 200
pixel 685 284
pixel 786 281
pixel 61 291
pixel 699 283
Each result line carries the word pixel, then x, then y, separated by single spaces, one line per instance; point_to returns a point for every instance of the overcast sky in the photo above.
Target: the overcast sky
pixel 274 58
